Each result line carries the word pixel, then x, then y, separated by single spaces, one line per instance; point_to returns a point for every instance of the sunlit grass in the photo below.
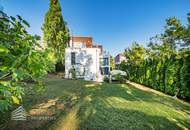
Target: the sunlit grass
pixel 121 106
pixel 102 106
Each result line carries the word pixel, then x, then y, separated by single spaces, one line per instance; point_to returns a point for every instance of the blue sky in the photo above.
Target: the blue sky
pixel 113 23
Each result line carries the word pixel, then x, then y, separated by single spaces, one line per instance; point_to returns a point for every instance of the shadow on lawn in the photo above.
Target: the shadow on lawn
pixel 85 107
pixel 107 116
pixel 116 118
pixel 167 100
pixel 52 102
pixel 95 113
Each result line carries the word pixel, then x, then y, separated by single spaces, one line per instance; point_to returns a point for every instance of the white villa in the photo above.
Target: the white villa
pixel 88 60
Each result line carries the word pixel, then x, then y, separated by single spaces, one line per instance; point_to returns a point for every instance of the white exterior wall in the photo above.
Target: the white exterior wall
pixel 89 58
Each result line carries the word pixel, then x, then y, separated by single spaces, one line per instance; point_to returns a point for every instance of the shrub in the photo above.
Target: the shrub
pixel 21 58
pixel 106 79
pixel 73 73
pixel 120 78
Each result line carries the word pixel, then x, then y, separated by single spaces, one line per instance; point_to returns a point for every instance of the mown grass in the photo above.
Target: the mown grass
pixel 102 106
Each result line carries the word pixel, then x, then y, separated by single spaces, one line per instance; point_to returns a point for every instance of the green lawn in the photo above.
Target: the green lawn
pixel 76 104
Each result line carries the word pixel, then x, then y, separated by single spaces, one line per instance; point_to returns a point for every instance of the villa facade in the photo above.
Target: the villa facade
pixel 89 61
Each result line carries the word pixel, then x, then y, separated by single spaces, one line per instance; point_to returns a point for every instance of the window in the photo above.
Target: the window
pixel 106 61
pixel 106 70
pixel 72 58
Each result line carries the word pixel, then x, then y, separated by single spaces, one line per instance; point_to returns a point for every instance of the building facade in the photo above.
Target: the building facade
pixel 118 59
pixel 86 59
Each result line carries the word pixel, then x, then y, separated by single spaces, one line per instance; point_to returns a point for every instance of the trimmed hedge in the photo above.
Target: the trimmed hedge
pixel 171 76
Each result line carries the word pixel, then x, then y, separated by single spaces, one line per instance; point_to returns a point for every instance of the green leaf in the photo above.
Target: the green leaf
pixel 3 68
pixel 13 18
pixel 26 23
pixel 15 100
pixel 19 17
pixel 5 83
pixel 3 49
pixel 4 104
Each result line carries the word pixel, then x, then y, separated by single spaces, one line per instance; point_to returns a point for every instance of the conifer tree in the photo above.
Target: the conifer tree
pixel 55 31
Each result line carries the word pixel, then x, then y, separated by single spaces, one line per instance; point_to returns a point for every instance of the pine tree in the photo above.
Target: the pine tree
pixel 55 31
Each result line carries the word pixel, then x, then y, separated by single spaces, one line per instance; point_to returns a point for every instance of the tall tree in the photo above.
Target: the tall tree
pixel 166 64
pixel 135 55
pixel 112 64
pixel 21 60
pixel 56 33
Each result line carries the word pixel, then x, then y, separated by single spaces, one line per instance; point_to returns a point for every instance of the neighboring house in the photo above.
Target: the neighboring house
pixel 86 59
pixel 119 58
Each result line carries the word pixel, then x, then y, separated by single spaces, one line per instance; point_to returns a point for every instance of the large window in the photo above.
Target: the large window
pixel 72 58
pixel 105 61
pixel 106 70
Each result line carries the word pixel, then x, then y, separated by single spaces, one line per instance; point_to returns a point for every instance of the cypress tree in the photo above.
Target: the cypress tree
pixel 55 31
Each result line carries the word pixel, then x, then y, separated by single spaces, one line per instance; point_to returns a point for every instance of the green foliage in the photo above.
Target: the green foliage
pixel 120 78
pixel 56 33
pixel 122 66
pixel 72 71
pixel 165 64
pixel 112 63
pixel 135 54
pixel 21 58
pixel 106 79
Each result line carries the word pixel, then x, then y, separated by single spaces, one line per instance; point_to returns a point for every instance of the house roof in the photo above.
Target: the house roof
pixel 86 40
